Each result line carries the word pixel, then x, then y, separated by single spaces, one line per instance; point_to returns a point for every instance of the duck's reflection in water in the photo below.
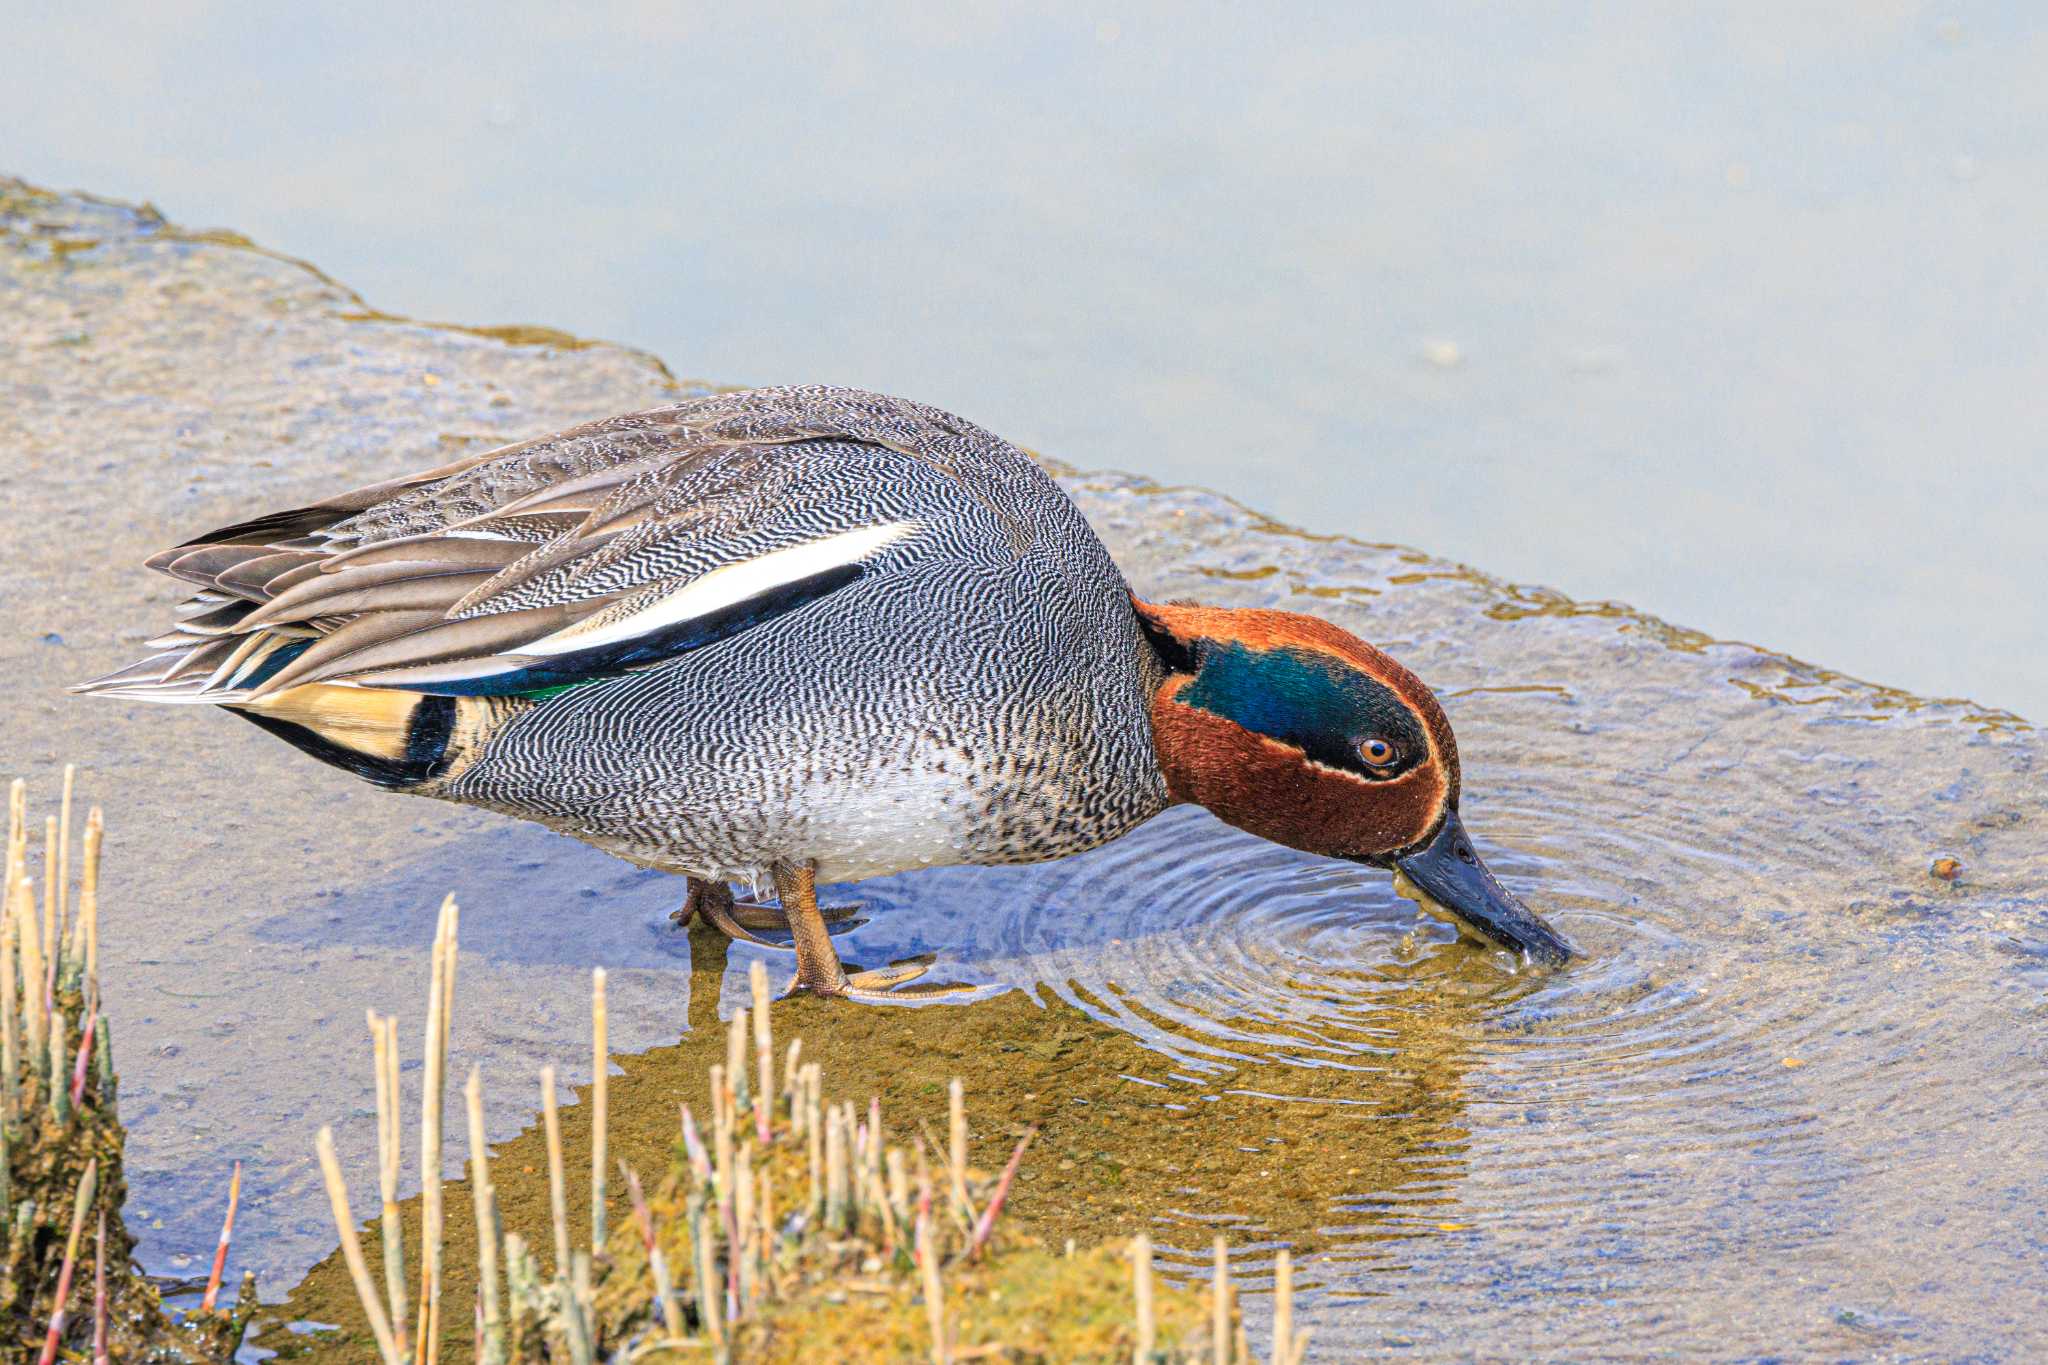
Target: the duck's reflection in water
pixel 1336 1124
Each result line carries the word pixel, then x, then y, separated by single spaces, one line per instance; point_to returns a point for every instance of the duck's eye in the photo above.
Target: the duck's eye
pixel 1377 752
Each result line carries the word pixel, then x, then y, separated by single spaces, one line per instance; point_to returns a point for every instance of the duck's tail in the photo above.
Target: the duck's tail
pixel 205 658
pixel 216 655
pixel 396 739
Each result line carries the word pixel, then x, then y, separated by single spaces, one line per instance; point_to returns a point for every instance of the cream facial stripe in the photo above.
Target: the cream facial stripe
pixel 727 585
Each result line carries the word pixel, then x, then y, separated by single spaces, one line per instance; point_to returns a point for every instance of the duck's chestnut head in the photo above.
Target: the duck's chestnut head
pixel 1302 733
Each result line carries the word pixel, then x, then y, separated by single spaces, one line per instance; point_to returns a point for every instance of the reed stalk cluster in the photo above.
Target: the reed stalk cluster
pixel 60 1133
pixel 794 1225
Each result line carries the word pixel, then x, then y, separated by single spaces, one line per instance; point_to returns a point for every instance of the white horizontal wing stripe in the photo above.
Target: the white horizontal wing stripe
pixel 728 584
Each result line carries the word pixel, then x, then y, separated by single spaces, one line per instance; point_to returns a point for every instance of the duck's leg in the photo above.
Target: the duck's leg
pixel 817 962
pixel 770 919
pixel 713 903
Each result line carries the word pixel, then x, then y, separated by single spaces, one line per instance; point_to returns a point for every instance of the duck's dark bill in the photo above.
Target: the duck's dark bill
pixel 1448 870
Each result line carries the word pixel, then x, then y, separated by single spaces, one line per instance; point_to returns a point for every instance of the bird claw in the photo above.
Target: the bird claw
pixel 881 984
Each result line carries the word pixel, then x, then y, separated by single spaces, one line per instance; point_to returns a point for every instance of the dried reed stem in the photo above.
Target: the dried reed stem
pixel 105 1067
pixel 522 1284
pixel 384 1053
pixel 693 1145
pixel 62 875
pixel 1283 1308
pixel 792 1086
pixel 721 1142
pixel 956 1154
pixel 814 1138
pixel 30 941
pixel 60 1095
pixel 484 1197
pixel 558 1200
pixel 764 1210
pixel 736 1057
pixel 722 1139
pixel 744 1230
pixel 352 1250
pixel 10 895
pixel 88 1185
pixel 934 1291
pixel 227 1235
pixel 89 898
pixel 984 1229
pixel 99 1294
pixel 1141 1284
pixel 1219 1304
pixel 50 949
pixel 600 1109
pixel 924 1182
pixel 899 1187
pixel 582 1311
pixel 705 1277
pixel 851 1130
pixel 85 1040
pixel 9 1008
pixel 871 1153
pixel 657 1262
pixel 764 1055
pixel 835 1171
pixel 17 856
pixel 433 1101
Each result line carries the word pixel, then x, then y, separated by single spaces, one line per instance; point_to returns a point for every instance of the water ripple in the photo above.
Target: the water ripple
pixel 1734 1072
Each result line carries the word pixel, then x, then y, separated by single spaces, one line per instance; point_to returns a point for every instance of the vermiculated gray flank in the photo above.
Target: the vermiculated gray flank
pixel 979 695
pixel 942 666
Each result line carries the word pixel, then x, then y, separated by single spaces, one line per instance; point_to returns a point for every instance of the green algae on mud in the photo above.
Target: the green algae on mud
pixel 1610 1161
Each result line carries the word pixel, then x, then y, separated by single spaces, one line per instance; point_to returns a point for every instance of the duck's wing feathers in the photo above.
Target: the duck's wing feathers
pixel 540 565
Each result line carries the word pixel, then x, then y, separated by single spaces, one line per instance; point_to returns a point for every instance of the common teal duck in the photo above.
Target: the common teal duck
pixel 802 634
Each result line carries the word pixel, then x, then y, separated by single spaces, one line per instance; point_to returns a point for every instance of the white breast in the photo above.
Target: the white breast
pixel 892 821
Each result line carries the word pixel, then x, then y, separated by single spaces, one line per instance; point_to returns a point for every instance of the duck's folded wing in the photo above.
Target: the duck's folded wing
pixel 539 566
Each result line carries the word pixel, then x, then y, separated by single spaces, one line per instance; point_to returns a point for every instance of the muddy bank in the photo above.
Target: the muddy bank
pixel 1791 1102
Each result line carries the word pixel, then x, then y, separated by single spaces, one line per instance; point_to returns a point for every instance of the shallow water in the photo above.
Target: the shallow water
pixel 1734 309
pixel 1791 1102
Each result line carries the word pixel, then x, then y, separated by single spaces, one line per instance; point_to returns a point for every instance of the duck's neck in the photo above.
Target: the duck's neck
pixel 1177 741
pixel 1197 749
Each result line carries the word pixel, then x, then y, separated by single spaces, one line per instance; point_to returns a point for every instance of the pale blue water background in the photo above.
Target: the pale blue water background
pixel 1737 315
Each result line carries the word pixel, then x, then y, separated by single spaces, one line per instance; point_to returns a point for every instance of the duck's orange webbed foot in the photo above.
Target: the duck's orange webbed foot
pixel 818 970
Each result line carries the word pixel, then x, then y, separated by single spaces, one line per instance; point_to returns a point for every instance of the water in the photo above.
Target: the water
pixel 1732 311
pixel 1791 1102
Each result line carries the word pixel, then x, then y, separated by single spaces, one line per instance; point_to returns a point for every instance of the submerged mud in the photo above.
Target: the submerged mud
pixel 1790 1101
